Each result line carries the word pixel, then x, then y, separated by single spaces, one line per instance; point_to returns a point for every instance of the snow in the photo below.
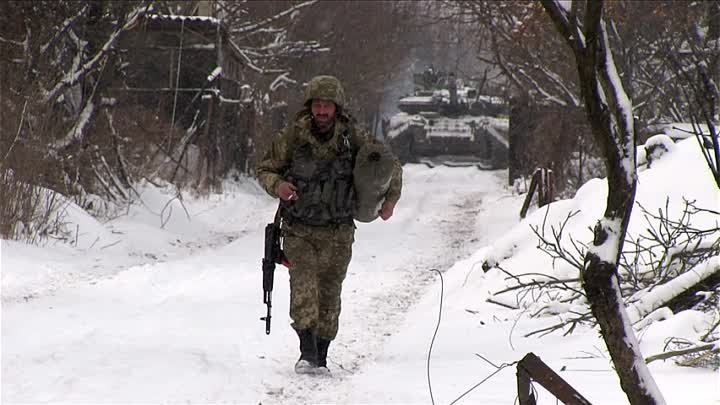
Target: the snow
pixel 191 18
pixel 655 147
pixel 76 132
pixel 608 250
pixel 646 381
pixel 680 130
pixel 417 100
pixel 400 121
pixel 565 5
pixel 161 304
pixel 624 106
pixel 676 286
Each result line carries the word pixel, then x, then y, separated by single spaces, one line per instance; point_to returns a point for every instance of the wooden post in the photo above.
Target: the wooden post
pixel 214 154
pixel 550 187
pixel 545 196
pixel 204 165
pixel 525 394
pixel 541 186
pixel 531 191
pixel 531 367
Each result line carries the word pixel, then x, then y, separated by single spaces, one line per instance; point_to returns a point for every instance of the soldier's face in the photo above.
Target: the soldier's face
pixel 324 113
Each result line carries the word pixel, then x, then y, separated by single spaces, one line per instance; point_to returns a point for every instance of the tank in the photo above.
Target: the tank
pixel 448 122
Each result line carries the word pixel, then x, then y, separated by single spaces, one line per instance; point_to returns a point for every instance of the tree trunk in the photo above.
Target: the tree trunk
pixel 610 115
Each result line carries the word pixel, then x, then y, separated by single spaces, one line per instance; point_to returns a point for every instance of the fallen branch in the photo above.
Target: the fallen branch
pixel 502 304
pixel 572 322
pixel 663 294
pixel 539 283
pixel 712 346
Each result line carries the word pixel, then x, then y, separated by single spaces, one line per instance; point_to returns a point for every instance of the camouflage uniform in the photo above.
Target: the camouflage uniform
pixel 318 252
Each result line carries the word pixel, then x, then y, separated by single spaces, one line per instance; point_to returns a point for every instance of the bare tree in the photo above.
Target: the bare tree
pixel 262 31
pixel 609 112
pixel 366 63
pixel 516 38
pixel 698 71
pixel 55 61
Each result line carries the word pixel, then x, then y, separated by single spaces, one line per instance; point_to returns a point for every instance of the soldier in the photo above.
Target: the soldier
pixel 310 168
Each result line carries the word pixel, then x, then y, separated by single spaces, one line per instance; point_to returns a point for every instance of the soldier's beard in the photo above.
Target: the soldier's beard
pixel 323 122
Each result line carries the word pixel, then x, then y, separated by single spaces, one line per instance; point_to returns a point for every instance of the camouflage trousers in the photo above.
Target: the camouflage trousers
pixel 319 258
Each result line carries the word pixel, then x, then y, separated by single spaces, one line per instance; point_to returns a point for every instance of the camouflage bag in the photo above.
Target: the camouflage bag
pixel 371 176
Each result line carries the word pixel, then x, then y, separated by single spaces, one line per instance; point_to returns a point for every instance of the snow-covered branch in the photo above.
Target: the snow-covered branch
pixel 712 347
pixel 280 81
pixel 63 28
pixel 73 77
pixel 12 42
pixel 254 26
pixel 663 294
pixel 76 132
pixel 566 24
pixel 621 107
pixel 528 78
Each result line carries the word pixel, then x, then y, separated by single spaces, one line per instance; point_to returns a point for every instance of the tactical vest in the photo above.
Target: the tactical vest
pixel 325 187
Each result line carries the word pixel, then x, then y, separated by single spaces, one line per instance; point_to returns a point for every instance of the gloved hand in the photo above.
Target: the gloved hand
pixel 386 211
pixel 287 191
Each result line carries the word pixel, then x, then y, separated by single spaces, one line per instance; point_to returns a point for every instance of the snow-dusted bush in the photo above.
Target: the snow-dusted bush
pixel 670 260
pixel 30 213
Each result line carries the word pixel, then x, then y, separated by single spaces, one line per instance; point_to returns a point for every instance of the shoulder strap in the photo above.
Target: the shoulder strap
pixel 349 135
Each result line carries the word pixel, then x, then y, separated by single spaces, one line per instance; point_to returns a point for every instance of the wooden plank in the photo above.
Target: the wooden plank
pixel 529 196
pixel 550 380
pixel 541 187
pixel 525 393
pixel 550 187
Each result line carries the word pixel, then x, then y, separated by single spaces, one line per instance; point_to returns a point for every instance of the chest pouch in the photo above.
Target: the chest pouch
pixel 326 194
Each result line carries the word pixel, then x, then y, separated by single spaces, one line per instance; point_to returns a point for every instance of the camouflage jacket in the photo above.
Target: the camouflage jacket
pixel 277 160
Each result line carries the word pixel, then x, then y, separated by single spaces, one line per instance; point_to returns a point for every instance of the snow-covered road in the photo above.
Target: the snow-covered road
pixel 185 327
pixel 162 304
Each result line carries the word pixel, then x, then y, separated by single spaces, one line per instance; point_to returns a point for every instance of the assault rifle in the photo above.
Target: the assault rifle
pixel 273 255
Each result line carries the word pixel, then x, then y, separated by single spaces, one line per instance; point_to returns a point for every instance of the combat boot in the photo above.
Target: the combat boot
pixel 322 351
pixel 307 363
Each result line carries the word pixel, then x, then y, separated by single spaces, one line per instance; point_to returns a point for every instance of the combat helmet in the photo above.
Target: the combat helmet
pixel 325 87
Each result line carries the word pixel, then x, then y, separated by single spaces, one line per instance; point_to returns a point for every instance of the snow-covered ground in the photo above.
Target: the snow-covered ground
pixel 162 304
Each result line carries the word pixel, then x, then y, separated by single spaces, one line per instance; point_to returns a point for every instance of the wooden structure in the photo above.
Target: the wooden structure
pixel 542 135
pixel 188 72
pixel 531 368
pixel 542 183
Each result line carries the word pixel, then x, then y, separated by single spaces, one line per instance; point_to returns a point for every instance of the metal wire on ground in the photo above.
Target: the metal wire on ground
pixel 502 366
pixel 432 343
